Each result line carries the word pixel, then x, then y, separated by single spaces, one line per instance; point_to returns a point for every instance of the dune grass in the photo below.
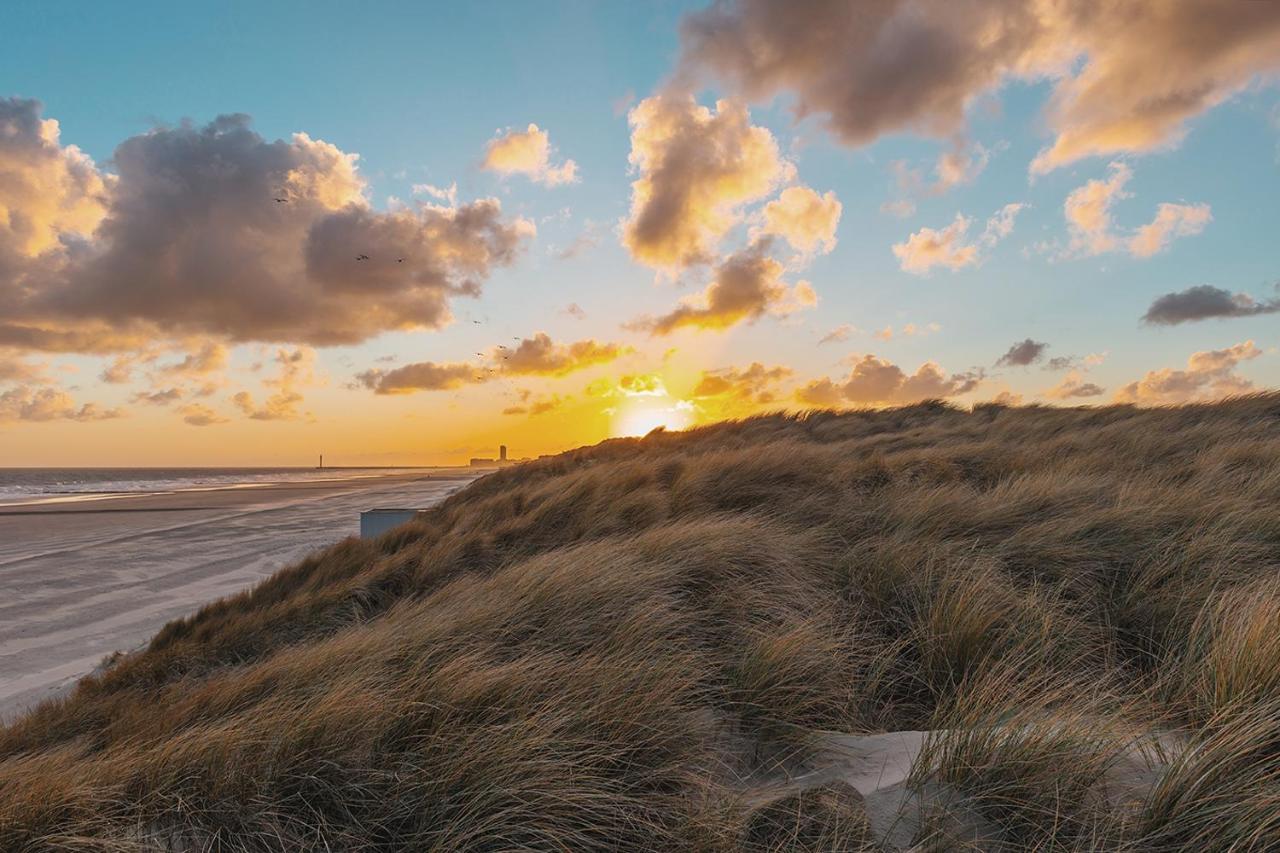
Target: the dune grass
pixel 612 648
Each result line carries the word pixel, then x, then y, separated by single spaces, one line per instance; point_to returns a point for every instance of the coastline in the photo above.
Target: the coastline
pixel 85 578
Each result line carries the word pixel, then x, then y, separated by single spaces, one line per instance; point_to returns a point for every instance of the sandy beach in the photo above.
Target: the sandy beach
pixel 82 579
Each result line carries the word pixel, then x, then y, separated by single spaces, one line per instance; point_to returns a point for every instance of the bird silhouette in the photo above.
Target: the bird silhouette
pixel 477 322
pixel 362 257
pixel 281 200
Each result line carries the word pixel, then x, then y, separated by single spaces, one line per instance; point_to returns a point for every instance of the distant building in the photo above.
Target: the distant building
pixel 486 462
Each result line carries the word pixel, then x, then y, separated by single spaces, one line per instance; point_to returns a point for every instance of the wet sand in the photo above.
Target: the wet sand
pixel 80 580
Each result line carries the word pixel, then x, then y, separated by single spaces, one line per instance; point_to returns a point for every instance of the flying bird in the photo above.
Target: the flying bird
pixel 362 257
pixel 477 322
pixel 281 200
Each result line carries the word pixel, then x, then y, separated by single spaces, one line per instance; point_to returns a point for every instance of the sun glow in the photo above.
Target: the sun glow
pixel 639 416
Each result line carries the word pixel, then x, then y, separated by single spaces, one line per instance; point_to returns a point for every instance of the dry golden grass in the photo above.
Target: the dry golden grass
pixel 611 648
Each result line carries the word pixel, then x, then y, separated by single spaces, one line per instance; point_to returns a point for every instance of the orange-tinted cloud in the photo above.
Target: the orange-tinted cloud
pixel 528 152
pixel 951 246
pixel 803 218
pixel 876 381
pixel 1209 374
pixel 755 384
pixel 49 404
pixel 422 376
pixel 199 415
pixel 1126 76
pixel 696 168
pixel 540 355
pixel 929 247
pixel 748 285
pixel 213 231
pixel 1074 386
pixel 1092 230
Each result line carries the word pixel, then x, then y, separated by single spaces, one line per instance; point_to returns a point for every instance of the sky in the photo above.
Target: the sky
pixel 403 233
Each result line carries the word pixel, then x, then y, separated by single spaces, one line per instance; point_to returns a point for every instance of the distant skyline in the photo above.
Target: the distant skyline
pixel 392 234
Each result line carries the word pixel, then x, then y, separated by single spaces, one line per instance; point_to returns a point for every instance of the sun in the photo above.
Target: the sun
pixel 639 416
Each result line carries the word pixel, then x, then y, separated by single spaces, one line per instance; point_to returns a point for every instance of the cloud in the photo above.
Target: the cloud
pixel 583 243
pixel 839 334
pixel 960 165
pixel 696 168
pixel 421 376
pixel 1091 228
pixel 296 369
pixel 540 355
pixel 1125 77
pixel 1172 220
pixel 535 407
pixel 49 192
pixel 210 357
pixel 1088 212
pixel 16 370
pixel 876 381
pixel 1000 225
pixel 950 247
pixel 280 406
pixel 908 330
pixel 1205 302
pixel 448 195
pixel 804 219
pixel 189 239
pixel 1209 374
pixel 929 247
pixel 48 404
pixel 1064 362
pixel 158 398
pixel 1022 353
pixel 747 285
pixel 1073 386
pixel 753 384
pixel 528 152
pixel 195 414
pixel 536 356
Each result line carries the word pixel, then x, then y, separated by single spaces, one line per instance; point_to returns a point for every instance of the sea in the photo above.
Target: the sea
pixel 48 485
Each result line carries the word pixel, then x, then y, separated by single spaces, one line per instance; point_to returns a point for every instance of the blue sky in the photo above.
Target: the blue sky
pixel 418 91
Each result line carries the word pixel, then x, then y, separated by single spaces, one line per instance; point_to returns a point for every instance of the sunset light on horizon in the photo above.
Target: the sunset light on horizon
pixel 407 235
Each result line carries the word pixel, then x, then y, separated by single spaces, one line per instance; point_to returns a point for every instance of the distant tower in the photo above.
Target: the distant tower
pixel 502 453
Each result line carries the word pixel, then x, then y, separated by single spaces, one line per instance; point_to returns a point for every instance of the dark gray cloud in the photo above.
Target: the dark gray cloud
pixel 214 231
pixel 1022 353
pixel 1205 302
